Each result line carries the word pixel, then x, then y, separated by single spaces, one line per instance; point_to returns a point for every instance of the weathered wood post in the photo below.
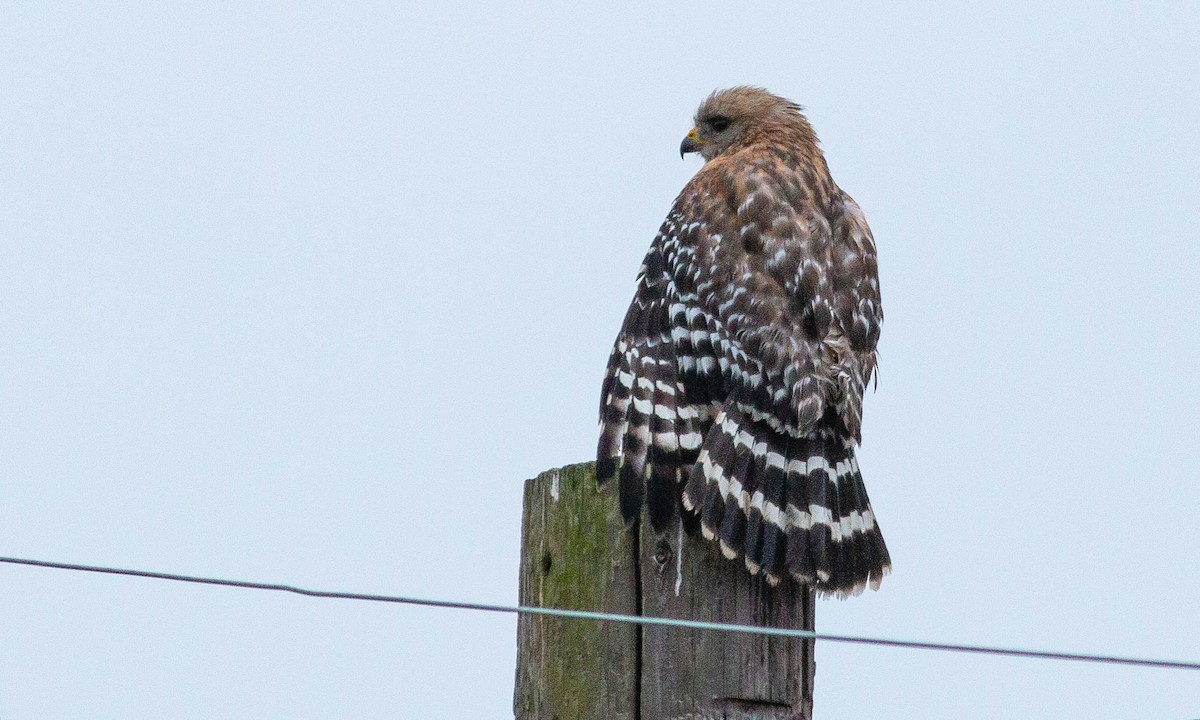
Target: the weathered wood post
pixel 576 553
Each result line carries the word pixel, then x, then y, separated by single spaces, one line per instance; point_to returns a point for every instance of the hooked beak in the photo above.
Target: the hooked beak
pixel 690 144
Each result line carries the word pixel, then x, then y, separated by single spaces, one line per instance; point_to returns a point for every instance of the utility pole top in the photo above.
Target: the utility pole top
pixel 576 553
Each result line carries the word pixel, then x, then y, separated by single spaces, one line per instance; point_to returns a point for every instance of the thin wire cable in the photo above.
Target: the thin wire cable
pixel 610 617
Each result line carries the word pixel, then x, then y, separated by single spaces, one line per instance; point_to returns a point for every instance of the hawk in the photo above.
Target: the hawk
pixel 734 390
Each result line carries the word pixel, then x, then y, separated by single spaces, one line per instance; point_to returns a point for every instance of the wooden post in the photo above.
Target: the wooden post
pixel 576 553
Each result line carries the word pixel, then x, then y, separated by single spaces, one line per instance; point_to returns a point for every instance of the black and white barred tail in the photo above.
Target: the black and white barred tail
pixel 788 506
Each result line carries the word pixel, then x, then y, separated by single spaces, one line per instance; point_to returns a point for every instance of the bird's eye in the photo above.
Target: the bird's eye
pixel 719 123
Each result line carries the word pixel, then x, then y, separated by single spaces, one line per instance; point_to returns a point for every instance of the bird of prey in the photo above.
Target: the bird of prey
pixel 734 390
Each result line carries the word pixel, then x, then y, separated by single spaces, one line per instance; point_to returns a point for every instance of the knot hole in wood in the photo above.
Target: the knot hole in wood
pixel 663 554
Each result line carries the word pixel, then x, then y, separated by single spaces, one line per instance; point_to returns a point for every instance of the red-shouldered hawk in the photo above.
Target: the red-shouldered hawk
pixel 734 389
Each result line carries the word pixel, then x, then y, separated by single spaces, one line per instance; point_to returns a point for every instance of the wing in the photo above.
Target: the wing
pixel 758 272
pixel 651 422
pixel 711 319
pixel 857 309
pixel 784 281
pixel 747 295
pixel 783 277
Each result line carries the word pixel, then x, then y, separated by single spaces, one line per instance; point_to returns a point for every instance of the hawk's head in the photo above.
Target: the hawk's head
pixel 742 116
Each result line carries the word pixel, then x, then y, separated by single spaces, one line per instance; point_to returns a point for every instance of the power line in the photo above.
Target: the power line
pixel 610 617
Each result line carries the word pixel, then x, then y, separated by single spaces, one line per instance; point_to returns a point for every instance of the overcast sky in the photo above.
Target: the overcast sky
pixel 303 293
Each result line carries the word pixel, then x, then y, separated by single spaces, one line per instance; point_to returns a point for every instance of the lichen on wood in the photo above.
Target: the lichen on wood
pixel 575 554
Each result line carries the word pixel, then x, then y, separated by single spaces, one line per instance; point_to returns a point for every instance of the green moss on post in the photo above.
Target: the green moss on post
pixel 575 554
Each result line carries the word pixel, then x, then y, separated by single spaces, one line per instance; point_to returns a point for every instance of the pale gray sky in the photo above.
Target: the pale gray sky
pixel 304 292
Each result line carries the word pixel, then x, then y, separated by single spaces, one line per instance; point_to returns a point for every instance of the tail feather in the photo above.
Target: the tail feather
pixel 651 429
pixel 706 473
pixel 733 529
pixel 774 552
pixel 690 419
pixel 637 440
pixel 882 564
pixel 754 540
pixel 840 507
pixel 614 412
pixel 740 464
pixel 774 500
pixel 767 456
pixel 861 548
pixel 787 505
pixel 871 549
pixel 799 556
pixel 713 513
pixel 663 476
pixel 799 551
